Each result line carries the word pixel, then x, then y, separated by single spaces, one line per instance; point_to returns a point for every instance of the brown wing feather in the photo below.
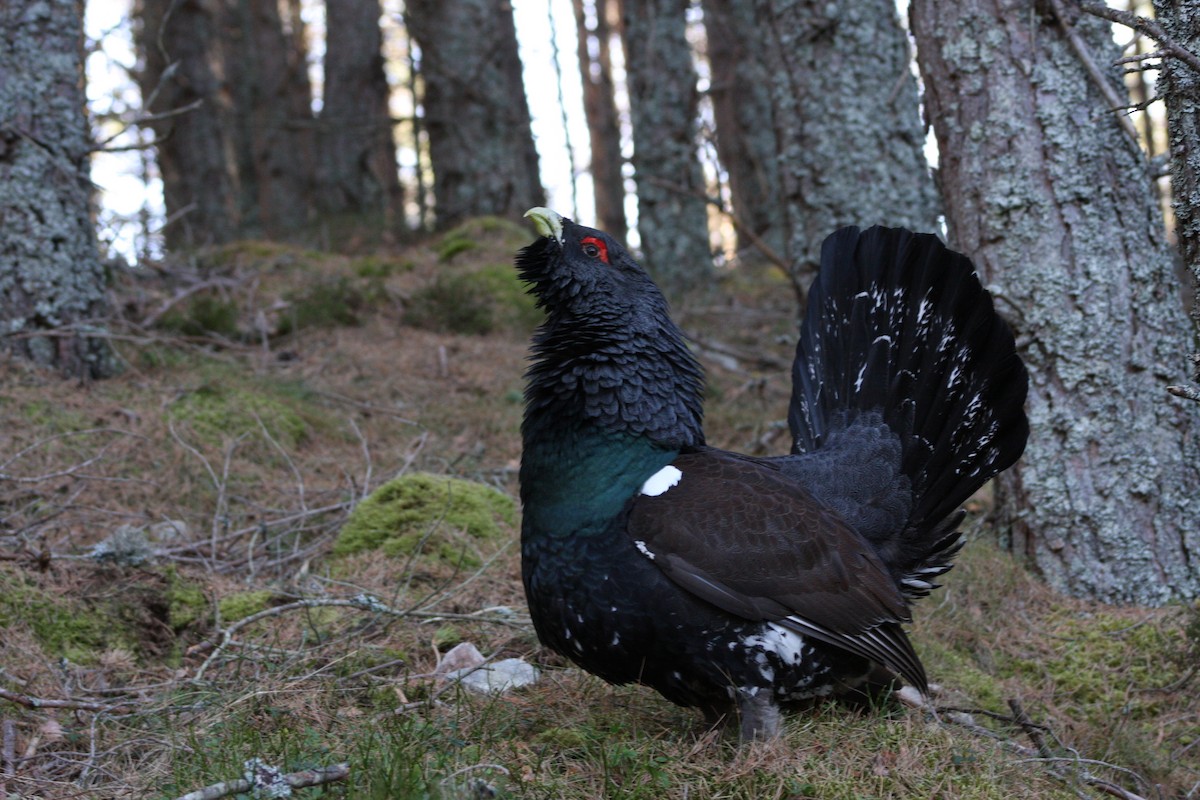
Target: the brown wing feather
pixel 737 533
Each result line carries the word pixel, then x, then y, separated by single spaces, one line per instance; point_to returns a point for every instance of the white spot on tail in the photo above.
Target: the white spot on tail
pixel 661 481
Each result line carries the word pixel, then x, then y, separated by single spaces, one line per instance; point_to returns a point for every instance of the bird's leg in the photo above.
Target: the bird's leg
pixel 759 713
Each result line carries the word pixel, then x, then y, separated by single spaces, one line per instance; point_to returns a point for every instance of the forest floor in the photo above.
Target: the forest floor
pixel 189 578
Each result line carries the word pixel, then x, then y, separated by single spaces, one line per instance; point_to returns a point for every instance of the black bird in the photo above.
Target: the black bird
pixel 735 583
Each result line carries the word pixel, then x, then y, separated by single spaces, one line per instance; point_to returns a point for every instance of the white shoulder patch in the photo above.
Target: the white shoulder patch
pixel 661 481
pixel 641 546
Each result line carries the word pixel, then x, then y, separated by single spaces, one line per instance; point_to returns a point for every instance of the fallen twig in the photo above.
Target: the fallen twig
pixel 264 776
pixel 363 602
pixel 79 705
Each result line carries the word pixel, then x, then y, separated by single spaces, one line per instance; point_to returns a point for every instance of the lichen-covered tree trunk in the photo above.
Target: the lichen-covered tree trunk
pixel 847 122
pixel 672 209
pixel 600 109
pixel 51 279
pixel 1180 89
pixel 745 133
pixel 357 171
pixel 1052 200
pixel 476 115
pixel 194 143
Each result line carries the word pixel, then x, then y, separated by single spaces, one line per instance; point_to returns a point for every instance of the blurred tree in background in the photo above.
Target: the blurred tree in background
pixel 848 131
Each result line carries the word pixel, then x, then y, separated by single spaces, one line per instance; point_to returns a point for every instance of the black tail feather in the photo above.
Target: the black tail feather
pixel 899 328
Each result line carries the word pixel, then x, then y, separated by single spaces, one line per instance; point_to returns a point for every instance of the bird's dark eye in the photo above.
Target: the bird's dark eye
pixel 594 248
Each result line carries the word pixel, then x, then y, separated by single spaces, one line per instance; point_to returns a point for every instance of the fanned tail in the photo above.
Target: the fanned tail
pixel 908 393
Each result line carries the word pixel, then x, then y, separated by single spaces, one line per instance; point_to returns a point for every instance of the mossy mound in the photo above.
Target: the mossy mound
pixel 204 315
pixel 486 232
pixel 66 627
pixel 244 604
pixel 326 303
pixel 426 515
pixel 474 302
pixel 216 411
pixel 475 290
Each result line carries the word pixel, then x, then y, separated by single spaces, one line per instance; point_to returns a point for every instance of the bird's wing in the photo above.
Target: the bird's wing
pixel 738 533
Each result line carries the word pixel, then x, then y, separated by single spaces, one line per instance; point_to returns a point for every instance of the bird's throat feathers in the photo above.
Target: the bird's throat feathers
pixel 616 383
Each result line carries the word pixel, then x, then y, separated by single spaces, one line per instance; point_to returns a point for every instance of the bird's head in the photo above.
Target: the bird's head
pixel 608 352
pixel 585 274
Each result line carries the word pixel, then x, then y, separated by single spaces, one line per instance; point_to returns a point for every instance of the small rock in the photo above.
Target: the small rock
pixel 127 546
pixel 497 678
pixel 910 696
pixel 167 531
pixel 461 657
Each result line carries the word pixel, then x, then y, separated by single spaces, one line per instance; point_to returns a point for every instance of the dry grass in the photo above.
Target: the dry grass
pixel 237 634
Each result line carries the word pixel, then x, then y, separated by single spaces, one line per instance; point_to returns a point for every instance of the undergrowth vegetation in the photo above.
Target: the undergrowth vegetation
pixel 264 537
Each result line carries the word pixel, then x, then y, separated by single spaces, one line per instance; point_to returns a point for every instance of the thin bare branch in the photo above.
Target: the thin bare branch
pixel 30 701
pixel 1115 102
pixel 1143 25
pixel 1186 392
pixel 142 120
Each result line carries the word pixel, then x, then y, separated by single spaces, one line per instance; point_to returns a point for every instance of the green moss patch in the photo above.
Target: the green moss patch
pixel 482 232
pixel 66 627
pixel 326 303
pixel 205 315
pixel 244 604
pixel 426 514
pixel 217 411
pixel 186 602
pixel 477 302
pixel 1083 652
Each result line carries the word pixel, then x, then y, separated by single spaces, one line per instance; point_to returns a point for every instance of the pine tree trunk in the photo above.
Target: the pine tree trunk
pixel 600 109
pixel 1180 88
pixel 1049 196
pixel 51 279
pixel 194 146
pixel 745 133
pixel 275 142
pixel 358 153
pixel 847 126
pixel 476 116
pixel 672 209
pixel 242 161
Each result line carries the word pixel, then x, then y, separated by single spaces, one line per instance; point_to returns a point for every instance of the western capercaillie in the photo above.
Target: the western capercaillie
pixel 730 582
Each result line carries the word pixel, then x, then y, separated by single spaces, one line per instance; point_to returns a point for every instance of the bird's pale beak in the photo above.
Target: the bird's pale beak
pixel 547 222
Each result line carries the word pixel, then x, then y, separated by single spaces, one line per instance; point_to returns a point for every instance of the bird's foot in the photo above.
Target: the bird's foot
pixel 760 718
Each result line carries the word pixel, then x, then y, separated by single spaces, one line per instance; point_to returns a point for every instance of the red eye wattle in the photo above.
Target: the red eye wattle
pixel 594 248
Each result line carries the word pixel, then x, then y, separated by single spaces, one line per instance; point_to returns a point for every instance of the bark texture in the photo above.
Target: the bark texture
pixel 672 209
pixel 357 171
pixel 476 116
pixel 600 109
pixel 1180 88
pixel 195 148
pixel 847 124
pixel 1053 201
pixel 745 133
pixel 50 271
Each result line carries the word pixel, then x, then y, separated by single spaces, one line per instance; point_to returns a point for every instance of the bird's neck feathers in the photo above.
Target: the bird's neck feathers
pixel 602 414
pixel 617 380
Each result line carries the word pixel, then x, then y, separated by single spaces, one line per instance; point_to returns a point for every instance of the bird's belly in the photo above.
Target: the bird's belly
pixel 628 623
